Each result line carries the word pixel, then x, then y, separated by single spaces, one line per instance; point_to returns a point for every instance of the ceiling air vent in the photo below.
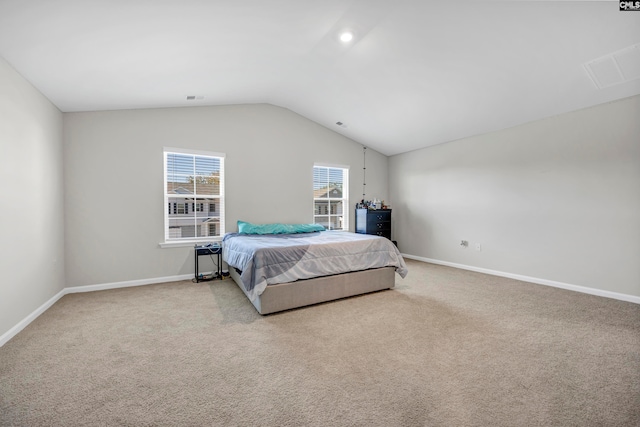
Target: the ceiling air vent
pixel 615 68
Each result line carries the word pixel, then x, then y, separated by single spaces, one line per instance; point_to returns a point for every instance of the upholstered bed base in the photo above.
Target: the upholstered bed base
pixel 300 293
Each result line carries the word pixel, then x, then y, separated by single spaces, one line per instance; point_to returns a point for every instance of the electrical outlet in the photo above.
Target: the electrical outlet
pixel 478 247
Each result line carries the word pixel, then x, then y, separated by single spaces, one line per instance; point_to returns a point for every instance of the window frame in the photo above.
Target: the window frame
pixel 219 201
pixel 344 198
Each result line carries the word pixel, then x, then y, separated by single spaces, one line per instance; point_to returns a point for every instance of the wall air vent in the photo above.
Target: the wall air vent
pixel 615 68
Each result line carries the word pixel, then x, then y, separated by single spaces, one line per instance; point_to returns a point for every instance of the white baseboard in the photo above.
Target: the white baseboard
pixel 4 338
pixel 30 318
pixel 126 284
pixel 561 285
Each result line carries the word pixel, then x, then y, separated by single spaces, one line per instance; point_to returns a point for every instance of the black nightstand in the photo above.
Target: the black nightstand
pixel 210 250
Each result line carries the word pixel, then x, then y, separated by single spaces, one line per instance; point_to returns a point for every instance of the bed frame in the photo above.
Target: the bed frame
pixel 285 296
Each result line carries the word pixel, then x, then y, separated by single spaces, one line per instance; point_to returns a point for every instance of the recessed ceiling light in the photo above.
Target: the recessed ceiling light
pixel 346 36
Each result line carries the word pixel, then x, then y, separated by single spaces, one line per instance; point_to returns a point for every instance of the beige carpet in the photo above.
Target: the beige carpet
pixel 447 347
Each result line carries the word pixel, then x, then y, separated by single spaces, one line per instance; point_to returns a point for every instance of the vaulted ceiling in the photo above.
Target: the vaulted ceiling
pixel 417 72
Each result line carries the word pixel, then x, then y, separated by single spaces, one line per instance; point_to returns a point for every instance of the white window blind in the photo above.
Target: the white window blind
pixel 193 195
pixel 331 197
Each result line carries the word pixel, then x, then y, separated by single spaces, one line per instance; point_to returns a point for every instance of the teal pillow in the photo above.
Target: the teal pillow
pixel 249 228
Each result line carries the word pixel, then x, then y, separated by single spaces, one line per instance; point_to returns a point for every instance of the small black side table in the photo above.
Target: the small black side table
pixel 208 250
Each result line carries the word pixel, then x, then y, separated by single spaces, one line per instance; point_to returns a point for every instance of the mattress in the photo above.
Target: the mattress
pixel 264 260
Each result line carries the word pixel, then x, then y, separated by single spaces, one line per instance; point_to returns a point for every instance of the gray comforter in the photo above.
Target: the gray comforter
pixel 281 258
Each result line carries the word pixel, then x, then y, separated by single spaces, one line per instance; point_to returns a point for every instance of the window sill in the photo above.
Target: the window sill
pixel 187 244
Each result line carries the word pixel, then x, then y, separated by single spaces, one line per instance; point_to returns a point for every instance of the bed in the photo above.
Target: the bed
pixel 288 270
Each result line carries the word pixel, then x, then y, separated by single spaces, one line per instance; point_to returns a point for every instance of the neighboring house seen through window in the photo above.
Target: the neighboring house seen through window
pixel 194 195
pixel 331 196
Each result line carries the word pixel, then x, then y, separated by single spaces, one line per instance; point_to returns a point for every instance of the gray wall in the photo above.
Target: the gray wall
pixel 114 181
pixel 31 218
pixel 557 199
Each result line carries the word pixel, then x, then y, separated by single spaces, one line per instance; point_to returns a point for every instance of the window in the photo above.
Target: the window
pixel 193 180
pixel 181 208
pixel 331 196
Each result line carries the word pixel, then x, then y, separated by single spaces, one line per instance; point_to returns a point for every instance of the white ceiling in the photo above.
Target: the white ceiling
pixel 418 72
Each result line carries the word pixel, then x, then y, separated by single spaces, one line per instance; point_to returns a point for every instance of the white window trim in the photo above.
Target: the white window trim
pixel 192 152
pixel 168 243
pixel 331 165
pixel 345 192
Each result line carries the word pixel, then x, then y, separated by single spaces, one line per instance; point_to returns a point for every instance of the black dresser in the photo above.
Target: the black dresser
pixel 376 222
